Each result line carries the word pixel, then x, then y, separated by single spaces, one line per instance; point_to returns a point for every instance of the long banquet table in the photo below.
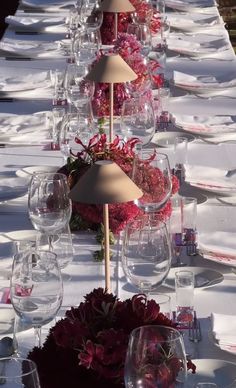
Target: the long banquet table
pixel 212 216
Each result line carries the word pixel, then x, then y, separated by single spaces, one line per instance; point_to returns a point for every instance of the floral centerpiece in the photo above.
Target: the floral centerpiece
pixel 129 48
pixel 88 347
pixel 144 12
pixel 123 153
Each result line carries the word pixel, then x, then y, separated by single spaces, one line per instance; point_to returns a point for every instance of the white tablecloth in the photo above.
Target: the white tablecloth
pixel 212 215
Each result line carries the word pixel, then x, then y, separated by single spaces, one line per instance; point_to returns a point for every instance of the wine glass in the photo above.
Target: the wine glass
pixel 61 244
pixel 90 15
pixel 138 119
pixel 48 203
pixel 36 288
pixel 18 372
pixel 152 174
pixel 142 84
pixel 146 253
pixel 155 358
pixel 143 35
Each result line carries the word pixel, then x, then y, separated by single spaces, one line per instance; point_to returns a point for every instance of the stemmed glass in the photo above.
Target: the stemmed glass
pixel 143 35
pixel 18 372
pixel 36 288
pixel 146 253
pixel 90 15
pixel 155 358
pixel 48 203
pixel 152 174
pixel 138 119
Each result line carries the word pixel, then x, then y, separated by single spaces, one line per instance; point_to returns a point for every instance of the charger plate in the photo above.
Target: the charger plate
pixel 167 139
pixel 220 372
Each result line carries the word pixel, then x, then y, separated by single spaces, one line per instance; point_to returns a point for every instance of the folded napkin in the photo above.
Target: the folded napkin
pixel 218 246
pixel 209 177
pixel 189 47
pixel 25 82
pixel 49 4
pixel 201 83
pixel 207 125
pixel 224 331
pixel 30 49
pixel 33 23
pixel 13 124
pixel 185 23
pixel 189 4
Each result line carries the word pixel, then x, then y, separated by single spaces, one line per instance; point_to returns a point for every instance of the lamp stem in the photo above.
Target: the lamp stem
pixel 106 247
pixel 111 93
pixel 116 26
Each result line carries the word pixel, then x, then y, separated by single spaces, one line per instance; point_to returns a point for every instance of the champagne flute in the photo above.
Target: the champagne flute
pixel 155 358
pixel 146 253
pixel 48 203
pixel 18 372
pixel 36 288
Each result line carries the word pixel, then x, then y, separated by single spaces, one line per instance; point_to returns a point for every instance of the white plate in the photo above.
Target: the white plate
pixel 18 235
pixel 220 372
pixel 227 348
pixel 204 277
pixel 167 139
pixel 27 172
pixel 227 200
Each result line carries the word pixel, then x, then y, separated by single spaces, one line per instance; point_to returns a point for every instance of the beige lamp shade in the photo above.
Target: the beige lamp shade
pixel 117 6
pixel 111 69
pixel 105 183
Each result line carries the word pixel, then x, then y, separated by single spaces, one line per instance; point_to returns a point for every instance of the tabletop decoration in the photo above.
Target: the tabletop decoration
pixel 102 184
pixel 89 345
pixel 111 69
pixel 129 48
pixel 85 216
pixel 144 12
pixel 115 7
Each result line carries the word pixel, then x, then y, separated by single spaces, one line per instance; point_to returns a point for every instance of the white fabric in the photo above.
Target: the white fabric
pixel 224 331
pixel 31 81
pixel 31 49
pixel 202 83
pixel 206 125
pixel 34 23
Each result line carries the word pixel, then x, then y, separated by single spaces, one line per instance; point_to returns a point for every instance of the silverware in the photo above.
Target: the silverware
pixel 194 331
pixel 230 173
pixel 18 59
pixel 26 32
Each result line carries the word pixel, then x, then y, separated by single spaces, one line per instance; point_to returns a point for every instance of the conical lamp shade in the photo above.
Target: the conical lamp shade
pixel 117 6
pixel 111 69
pixel 105 183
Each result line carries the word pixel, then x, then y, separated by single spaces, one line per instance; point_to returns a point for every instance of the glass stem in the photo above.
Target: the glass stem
pixel 50 243
pixel 38 337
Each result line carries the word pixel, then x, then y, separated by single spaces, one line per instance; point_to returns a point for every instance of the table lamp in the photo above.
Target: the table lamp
pixel 105 183
pixel 116 6
pixel 111 68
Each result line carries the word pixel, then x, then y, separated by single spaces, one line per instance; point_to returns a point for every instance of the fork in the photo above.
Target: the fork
pixel 194 331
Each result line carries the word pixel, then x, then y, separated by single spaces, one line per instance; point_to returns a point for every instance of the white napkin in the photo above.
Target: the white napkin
pixel 47 4
pixel 189 47
pixel 30 81
pixel 200 82
pixel 185 23
pixel 218 246
pixel 224 331
pixel 189 4
pixel 206 125
pixel 13 124
pixel 34 23
pixel 30 49
pixel 209 176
